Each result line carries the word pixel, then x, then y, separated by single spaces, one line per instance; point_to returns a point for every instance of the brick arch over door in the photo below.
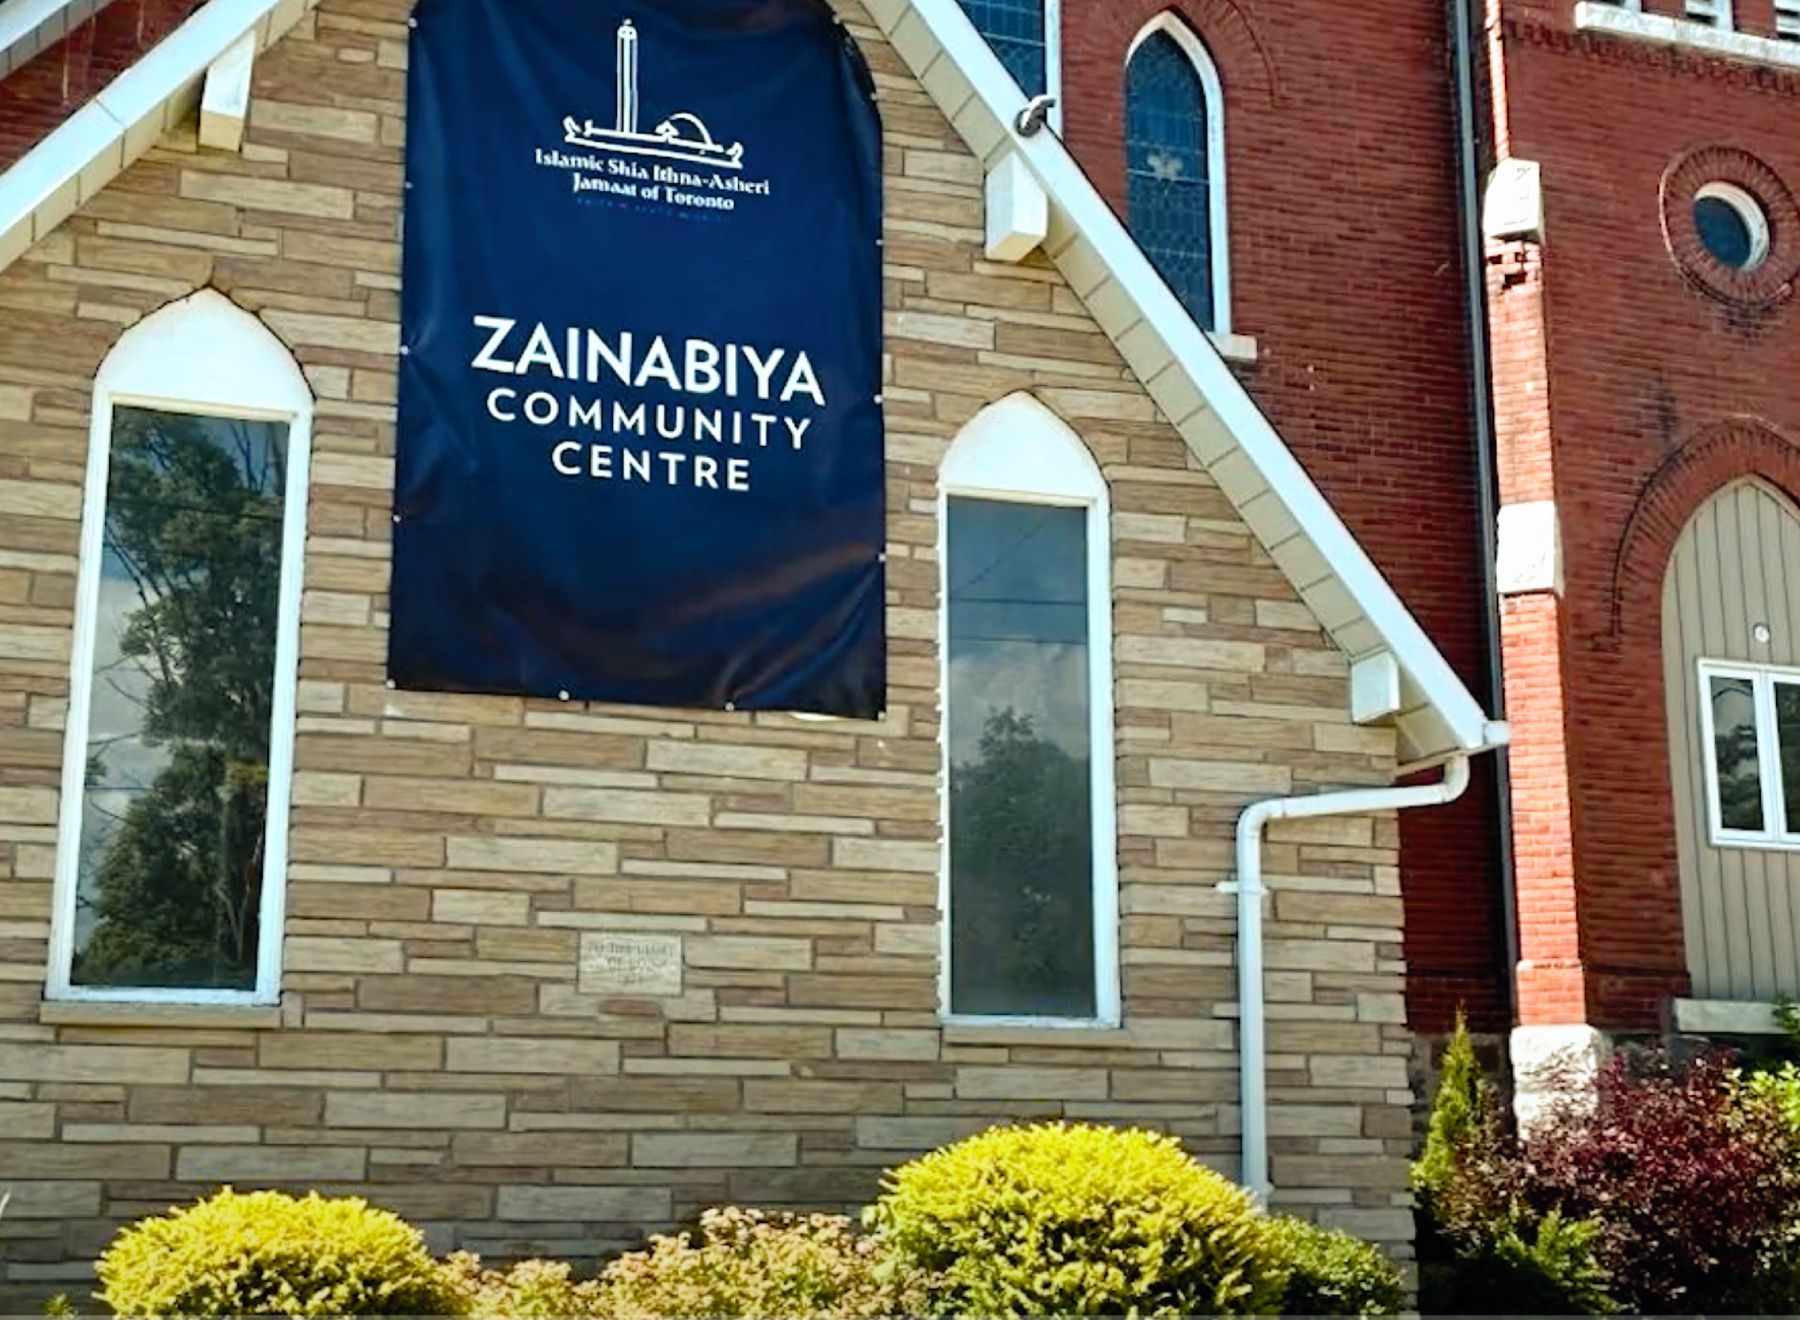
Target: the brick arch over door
pixel 1730 451
pixel 1730 611
pixel 1632 934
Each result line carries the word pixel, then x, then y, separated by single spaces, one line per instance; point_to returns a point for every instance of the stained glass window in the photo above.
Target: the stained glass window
pixel 1169 180
pixel 1015 29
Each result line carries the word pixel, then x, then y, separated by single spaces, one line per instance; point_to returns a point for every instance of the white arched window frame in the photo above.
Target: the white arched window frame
pixel 1218 218
pixel 1052 24
pixel 201 356
pixel 1019 451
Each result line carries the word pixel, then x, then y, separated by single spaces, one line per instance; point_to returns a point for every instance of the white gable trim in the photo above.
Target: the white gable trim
pixel 1189 380
pixel 28 27
pixel 81 156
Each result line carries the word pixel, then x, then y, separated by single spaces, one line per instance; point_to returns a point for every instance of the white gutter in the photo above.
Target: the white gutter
pixel 1253 1053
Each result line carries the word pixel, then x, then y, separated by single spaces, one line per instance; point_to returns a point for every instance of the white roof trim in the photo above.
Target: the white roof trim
pixel 28 27
pixel 82 155
pixel 1177 362
pixel 1190 381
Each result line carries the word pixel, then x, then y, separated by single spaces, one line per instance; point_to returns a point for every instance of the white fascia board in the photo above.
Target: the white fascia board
pixel 88 149
pixel 28 27
pixel 981 99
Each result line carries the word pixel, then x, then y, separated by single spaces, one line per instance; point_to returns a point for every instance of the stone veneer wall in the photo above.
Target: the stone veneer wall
pixel 444 1045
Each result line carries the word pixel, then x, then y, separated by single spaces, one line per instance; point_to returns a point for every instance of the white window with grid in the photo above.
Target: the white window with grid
pixel 1750 727
pixel 1787 20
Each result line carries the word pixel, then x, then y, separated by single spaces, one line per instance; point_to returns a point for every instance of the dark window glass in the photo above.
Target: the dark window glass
pixel 1015 29
pixel 1787 738
pixel 1168 191
pixel 176 800
pixel 1021 826
pixel 1723 231
pixel 1735 753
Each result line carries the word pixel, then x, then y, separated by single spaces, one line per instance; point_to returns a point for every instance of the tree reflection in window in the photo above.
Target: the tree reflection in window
pixel 1735 753
pixel 1021 824
pixel 176 797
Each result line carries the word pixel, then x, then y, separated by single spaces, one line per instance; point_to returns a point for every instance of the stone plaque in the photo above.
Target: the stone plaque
pixel 618 964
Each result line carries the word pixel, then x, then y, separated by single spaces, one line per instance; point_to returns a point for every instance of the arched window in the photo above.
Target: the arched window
pixel 180 742
pixel 1175 162
pixel 1023 33
pixel 1030 883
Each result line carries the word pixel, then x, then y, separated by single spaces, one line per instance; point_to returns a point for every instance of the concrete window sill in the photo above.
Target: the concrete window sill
pixel 1662 30
pixel 1232 347
pixel 95 1013
pixel 1074 1036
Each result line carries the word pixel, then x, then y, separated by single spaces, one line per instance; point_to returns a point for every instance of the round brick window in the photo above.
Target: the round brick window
pixel 1732 226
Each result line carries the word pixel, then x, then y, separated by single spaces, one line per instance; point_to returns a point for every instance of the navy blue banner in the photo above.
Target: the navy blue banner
pixel 640 439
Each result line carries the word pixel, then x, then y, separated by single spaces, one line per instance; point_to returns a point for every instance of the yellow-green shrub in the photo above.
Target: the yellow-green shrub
pixel 1078 1220
pixel 266 1253
pixel 746 1263
pixel 529 1290
pixel 1331 1273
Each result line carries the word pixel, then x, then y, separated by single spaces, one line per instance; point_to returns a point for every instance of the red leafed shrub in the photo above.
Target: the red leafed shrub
pixel 1693 1196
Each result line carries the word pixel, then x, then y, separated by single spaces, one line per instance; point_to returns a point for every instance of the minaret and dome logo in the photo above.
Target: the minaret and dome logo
pixel 624 161
pixel 681 136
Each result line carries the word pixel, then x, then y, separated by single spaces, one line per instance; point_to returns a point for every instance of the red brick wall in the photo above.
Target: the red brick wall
pixel 1345 268
pixel 1655 394
pixel 39 95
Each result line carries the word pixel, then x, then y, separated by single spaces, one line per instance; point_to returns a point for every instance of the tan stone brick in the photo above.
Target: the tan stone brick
pixel 1245 778
pixel 882 1132
pixel 270 1164
pixel 530 1054
pixel 712 1150
pixel 347 1049
pixel 1192 653
pixel 52 1200
pixel 749 847
pixel 750 953
pixel 1384 1072
pixel 539 856
pixel 419 993
pixel 887 1043
pixel 886 854
pixel 627 807
pixel 276 1106
pixel 726 762
pixel 552 1150
pixel 464 797
pixel 821 1097
pixel 308 953
pixel 585 1205
pixel 55 1161
pixel 269 194
pixel 92 1063
pixel 418 1111
pixel 741 1040
pixel 1021 1083
pixel 312 120
pixel 480 907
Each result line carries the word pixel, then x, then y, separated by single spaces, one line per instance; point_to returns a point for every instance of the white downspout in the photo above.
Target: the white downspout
pixel 1252 1047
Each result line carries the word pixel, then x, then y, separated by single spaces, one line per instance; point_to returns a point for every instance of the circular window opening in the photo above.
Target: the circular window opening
pixel 1733 226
